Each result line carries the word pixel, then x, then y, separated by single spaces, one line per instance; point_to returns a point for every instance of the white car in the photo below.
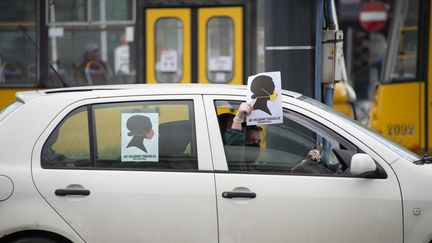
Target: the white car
pixel 147 163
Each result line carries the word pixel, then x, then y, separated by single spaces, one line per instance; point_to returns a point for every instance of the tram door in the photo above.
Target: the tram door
pixel 206 48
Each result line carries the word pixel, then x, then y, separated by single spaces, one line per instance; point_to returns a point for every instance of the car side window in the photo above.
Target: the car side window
pixel 156 135
pixel 281 148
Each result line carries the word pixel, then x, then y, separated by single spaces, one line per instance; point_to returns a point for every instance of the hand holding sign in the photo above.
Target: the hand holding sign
pixel 244 110
pixel 263 94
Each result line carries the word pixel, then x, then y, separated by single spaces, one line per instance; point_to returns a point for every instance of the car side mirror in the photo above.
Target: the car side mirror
pixel 362 164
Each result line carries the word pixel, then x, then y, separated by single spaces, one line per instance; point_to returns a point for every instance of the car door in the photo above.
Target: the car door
pixel 130 170
pixel 265 201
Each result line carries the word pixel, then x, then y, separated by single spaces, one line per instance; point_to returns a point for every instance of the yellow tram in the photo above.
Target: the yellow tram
pixel 96 42
pixel 402 108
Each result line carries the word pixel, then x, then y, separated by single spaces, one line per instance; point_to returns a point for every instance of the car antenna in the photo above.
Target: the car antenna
pixel 37 49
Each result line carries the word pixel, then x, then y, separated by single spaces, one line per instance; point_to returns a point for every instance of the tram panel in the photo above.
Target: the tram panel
pixel 220 41
pixel 168 45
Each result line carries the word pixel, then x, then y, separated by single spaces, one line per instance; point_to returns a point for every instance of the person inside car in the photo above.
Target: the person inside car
pixel 235 134
pixel 241 142
pixel 250 138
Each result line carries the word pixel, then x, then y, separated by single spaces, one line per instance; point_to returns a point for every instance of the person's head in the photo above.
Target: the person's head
pixel 252 143
pixel 91 52
pixel 140 126
pixel 253 135
pixel 262 87
pixel 123 40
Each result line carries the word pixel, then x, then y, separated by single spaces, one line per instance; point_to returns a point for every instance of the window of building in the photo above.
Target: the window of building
pixel 281 148
pixel 157 135
pixel 220 49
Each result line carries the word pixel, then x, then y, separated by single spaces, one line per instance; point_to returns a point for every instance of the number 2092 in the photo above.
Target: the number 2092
pixel 400 129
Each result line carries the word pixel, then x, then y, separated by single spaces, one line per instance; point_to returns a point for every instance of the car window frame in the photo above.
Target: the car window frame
pixel 218 152
pixel 202 146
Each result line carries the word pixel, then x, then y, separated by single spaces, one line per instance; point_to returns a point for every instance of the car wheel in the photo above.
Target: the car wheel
pixel 34 240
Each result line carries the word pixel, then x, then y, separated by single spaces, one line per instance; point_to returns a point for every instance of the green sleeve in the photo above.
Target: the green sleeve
pixel 234 137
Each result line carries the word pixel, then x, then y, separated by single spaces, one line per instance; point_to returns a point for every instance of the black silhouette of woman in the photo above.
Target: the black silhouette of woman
pixel 262 88
pixel 140 127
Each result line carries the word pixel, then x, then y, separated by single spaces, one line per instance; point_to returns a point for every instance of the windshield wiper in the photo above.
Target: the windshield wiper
pixel 424 160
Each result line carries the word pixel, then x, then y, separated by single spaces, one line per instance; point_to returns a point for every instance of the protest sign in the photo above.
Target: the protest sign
pixel 264 95
pixel 140 137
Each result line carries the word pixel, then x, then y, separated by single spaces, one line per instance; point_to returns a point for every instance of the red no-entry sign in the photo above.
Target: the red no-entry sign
pixel 373 16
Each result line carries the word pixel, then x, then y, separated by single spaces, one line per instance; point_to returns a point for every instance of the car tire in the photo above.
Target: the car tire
pixel 34 240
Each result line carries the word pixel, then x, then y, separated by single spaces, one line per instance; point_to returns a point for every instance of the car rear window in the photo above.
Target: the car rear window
pixel 9 110
pixel 144 135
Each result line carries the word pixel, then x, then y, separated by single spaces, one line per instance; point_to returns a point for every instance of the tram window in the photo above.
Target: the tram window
pixel 220 49
pixel 404 65
pixel 100 10
pixel 17 11
pixel 169 50
pixel 115 9
pixel 76 11
pixel 91 57
pixel 87 42
pixel 17 55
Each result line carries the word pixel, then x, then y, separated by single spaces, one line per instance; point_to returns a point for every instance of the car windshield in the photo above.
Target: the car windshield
pixel 401 151
pixel 9 109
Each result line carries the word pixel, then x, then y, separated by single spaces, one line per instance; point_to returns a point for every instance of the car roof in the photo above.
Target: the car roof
pixel 141 89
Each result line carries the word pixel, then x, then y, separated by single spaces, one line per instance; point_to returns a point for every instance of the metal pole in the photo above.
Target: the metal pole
pixel 318 48
pixel 333 25
pixel 103 34
pixel 318 57
pixel 54 51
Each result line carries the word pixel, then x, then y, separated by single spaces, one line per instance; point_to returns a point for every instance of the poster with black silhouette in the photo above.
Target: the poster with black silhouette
pixel 140 137
pixel 264 91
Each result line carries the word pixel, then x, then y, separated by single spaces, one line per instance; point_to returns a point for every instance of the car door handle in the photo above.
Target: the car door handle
pixel 239 195
pixel 72 192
